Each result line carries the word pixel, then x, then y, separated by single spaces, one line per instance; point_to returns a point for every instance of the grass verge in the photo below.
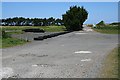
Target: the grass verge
pixel 110 66
pixel 119 62
pixel 10 42
pixel 108 29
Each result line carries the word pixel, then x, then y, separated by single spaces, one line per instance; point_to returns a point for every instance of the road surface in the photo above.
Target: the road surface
pixel 77 54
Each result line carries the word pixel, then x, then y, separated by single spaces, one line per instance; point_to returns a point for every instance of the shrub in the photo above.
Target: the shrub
pixel 101 24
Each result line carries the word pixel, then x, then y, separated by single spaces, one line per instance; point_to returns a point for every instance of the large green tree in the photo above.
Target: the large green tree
pixel 74 18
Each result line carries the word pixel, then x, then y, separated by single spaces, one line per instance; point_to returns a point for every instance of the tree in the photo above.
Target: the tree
pixel 51 21
pixel 44 22
pixel 101 24
pixel 74 18
pixel 58 22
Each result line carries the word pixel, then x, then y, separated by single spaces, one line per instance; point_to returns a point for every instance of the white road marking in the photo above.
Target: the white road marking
pixel 86 60
pixel 35 65
pixel 6 72
pixel 80 33
pixel 88 30
pixel 83 52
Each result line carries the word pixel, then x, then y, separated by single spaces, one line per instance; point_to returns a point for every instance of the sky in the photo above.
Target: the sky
pixel 107 11
pixel 60 0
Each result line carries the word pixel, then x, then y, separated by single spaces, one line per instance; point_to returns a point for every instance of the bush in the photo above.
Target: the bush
pixel 115 23
pixel 101 24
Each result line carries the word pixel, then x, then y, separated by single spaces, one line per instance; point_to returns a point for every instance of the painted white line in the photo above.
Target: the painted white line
pixel 86 60
pixel 80 33
pixel 83 52
pixel 6 72
pixel 88 30
pixel 35 65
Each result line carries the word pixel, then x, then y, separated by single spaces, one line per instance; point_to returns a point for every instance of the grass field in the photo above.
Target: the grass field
pixel 108 29
pixel 0 42
pixel 110 67
pixel 118 62
pixel 46 28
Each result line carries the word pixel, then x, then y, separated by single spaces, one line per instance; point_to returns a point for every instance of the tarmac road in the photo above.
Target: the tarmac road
pixel 74 55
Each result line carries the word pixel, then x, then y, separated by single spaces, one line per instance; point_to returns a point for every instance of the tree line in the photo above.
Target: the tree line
pixel 21 21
